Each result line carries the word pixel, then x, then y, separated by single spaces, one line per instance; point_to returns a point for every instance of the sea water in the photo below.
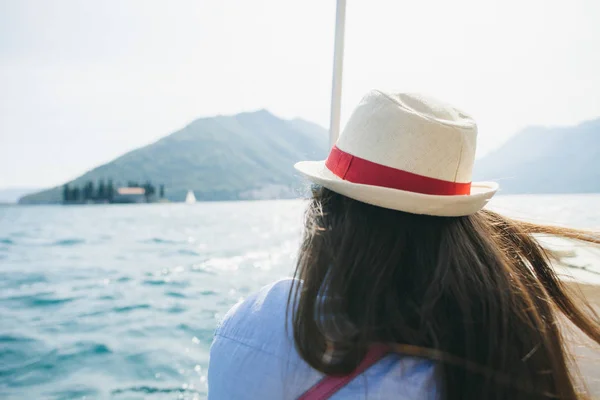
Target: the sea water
pixel 121 301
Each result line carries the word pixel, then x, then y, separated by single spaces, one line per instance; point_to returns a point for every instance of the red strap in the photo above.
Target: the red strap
pixel 327 386
pixel 357 170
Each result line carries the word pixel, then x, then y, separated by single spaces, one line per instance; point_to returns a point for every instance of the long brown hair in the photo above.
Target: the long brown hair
pixel 477 294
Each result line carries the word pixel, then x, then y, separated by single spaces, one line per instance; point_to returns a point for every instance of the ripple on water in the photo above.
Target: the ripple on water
pixel 202 269
pixel 98 348
pixel 80 349
pixel 39 300
pixel 156 240
pixel 198 335
pixel 6 241
pixel 155 282
pixel 176 309
pixel 34 368
pixel 165 281
pixel 144 365
pixel 130 308
pixel 177 295
pixel 107 297
pixel 188 252
pixel 16 350
pixel 15 279
pixel 153 390
pixel 75 392
pixel 67 242
pixel 185 328
pixel 7 338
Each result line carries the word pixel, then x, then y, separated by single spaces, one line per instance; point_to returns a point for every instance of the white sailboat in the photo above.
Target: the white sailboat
pixel 190 198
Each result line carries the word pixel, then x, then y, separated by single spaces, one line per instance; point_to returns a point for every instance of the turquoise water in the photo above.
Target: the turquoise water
pixel 121 301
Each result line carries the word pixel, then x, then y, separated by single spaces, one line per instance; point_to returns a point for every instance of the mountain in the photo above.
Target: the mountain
pixel 546 160
pixel 244 156
pixel 12 195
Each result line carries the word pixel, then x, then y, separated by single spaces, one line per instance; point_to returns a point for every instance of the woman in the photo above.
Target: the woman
pixel 406 287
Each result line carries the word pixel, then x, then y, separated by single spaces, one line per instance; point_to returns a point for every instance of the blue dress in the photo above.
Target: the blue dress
pixel 253 357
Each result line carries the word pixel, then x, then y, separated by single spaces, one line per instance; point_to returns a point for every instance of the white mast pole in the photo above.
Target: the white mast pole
pixel 338 63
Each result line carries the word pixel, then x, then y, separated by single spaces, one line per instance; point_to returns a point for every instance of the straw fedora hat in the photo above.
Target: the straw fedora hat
pixel 405 152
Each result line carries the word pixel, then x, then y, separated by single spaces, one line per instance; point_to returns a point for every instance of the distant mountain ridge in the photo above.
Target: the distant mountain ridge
pixel 244 156
pixel 546 160
pixel 251 156
pixel 12 195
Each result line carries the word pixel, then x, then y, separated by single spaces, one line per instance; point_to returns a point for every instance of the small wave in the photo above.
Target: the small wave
pixel 176 309
pixel 100 349
pixel 93 314
pixel 176 295
pixel 67 242
pixel 155 282
pixel 19 279
pixel 131 308
pixel 160 241
pixel 15 339
pixel 186 328
pixel 20 234
pixel 77 392
pixel 202 269
pixel 6 241
pixel 46 365
pixel 153 390
pixel 186 252
pixel 81 350
pixel 37 301
pixel 203 336
pixel 208 293
pixel 161 282
pixel 52 302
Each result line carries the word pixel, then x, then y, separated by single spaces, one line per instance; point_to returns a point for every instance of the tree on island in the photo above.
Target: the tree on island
pixel 87 193
pixel 162 191
pixel 110 190
pixel 101 195
pixel 66 193
pixel 75 194
pixel 150 190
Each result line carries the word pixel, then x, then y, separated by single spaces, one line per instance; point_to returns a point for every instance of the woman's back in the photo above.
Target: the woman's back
pixel 253 357
pixel 399 252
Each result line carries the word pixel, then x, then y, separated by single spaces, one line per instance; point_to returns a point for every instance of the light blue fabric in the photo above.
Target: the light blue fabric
pixel 253 357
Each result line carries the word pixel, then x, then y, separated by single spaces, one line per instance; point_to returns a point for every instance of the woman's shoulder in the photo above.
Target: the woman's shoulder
pixel 262 313
pixel 253 346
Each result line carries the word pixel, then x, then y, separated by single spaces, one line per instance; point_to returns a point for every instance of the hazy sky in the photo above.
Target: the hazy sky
pixel 81 82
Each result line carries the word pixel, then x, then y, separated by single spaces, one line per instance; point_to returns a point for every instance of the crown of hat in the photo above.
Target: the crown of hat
pixel 412 133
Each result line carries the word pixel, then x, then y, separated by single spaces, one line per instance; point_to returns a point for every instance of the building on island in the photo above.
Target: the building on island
pixel 130 195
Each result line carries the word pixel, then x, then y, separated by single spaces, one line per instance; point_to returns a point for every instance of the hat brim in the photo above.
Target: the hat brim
pixel 401 200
